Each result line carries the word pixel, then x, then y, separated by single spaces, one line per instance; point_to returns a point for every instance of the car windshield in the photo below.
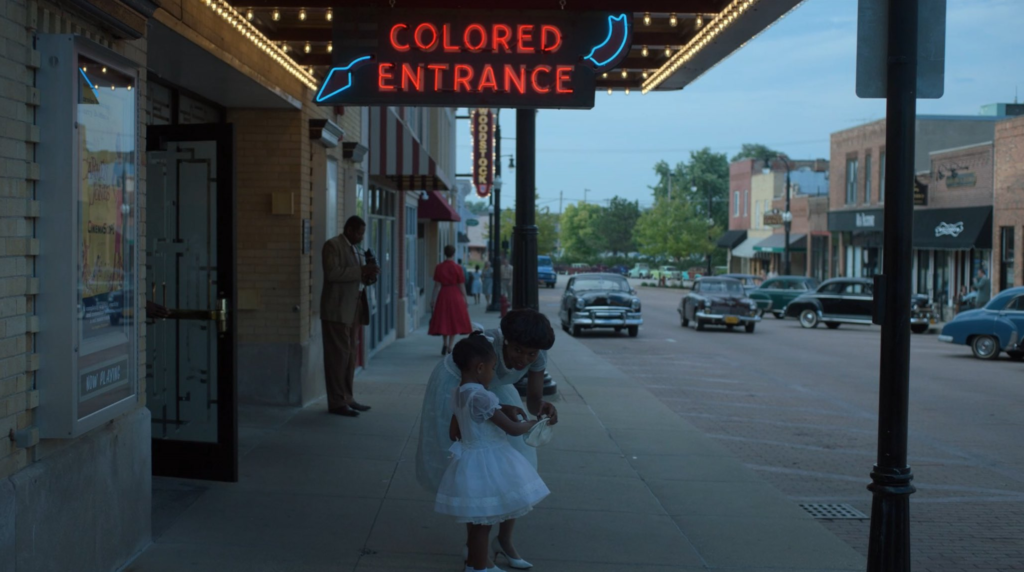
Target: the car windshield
pixel 603 283
pixel 721 287
pixel 543 261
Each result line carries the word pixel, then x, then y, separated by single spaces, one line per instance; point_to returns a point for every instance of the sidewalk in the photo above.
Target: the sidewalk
pixel 634 488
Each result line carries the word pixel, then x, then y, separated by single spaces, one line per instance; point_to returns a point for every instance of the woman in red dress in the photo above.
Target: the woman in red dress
pixel 451 310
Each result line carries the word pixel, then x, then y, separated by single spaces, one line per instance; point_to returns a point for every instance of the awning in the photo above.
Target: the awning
pixel 396 157
pixel 953 229
pixel 777 243
pixel 746 248
pixel 731 238
pixel 463 238
pixel 435 207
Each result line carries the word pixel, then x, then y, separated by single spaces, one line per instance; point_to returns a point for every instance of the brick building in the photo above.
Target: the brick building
pixel 1008 222
pixel 209 188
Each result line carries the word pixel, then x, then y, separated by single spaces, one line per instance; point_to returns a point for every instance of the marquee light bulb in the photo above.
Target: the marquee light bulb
pixel 330 47
pixel 609 91
pixel 330 15
pixel 627 91
pixel 276 15
pixel 645 51
pixel 625 74
pixel 700 20
pixel 129 87
pixel 668 51
pixel 604 75
pixel 308 48
pixel 285 48
pixel 644 74
pixel 249 15
pixel 302 14
pixel 647 18
pixel 673 20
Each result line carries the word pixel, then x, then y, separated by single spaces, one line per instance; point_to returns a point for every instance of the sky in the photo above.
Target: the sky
pixel 789 88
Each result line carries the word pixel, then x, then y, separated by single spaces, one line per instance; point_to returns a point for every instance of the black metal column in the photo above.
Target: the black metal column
pixel 495 305
pixel 889 543
pixel 524 238
pixel 788 226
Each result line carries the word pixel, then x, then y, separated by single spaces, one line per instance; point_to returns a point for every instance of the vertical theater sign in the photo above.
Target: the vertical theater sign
pixel 474 58
pixel 481 128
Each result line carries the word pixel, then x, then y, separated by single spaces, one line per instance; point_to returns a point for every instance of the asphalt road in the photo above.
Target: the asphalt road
pixel 800 407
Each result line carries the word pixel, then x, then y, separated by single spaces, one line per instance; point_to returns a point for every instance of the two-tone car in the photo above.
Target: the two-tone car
pixel 600 301
pixel 774 294
pixel 718 301
pixel 996 328
pixel 836 302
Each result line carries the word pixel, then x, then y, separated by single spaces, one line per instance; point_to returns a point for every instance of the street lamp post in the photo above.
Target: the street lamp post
pixel 495 305
pixel 787 217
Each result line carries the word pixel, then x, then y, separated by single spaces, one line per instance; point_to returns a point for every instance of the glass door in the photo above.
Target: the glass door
pixel 190 277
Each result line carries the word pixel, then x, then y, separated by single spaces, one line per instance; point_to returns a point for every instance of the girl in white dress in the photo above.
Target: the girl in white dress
pixel 487 481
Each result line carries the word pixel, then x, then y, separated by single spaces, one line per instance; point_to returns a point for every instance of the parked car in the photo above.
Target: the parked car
pixel 546 272
pixel 619 269
pixel 600 301
pixel 578 268
pixel 640 270
pixel 774 294
pixel 835 302
pixel 998 327
pixel 669 272
pixel 923 315
pixel 750 282
pixel 719 301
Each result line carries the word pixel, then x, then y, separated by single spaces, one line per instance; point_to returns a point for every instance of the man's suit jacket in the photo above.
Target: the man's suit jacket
pixel 341 300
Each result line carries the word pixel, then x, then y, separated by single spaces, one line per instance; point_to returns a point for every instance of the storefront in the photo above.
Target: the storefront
pixel 729 241
pixel 775 247
pixel 950 247
pixel 857 242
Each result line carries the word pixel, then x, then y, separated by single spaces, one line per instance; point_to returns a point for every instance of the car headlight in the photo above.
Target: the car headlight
pixel 581 304
pixel 753 305
pixel 636 304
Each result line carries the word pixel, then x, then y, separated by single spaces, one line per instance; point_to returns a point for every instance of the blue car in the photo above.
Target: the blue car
pixel 996 328
pixel 546 272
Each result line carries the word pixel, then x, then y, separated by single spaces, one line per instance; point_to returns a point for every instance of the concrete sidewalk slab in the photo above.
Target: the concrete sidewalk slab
pixel 634 488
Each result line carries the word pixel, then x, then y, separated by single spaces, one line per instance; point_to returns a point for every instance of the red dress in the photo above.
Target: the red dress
pixel 451 316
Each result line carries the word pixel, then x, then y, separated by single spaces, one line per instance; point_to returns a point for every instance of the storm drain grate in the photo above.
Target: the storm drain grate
pixel 833 511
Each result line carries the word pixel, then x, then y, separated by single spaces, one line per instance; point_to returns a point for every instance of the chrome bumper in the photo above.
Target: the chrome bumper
pixel 593 320
pixel 947 339
pixel 720 318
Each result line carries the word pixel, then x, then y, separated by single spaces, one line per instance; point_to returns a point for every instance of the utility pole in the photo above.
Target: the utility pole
pixel 559 203
pixel 585 191
pixel 524 240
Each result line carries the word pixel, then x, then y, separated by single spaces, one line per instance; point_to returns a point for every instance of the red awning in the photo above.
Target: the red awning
pixel 435 207
pixel 397 159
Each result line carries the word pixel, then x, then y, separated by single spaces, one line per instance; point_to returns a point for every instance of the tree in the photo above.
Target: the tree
pixel 547 231
pixel 676 229
pixel 581 235
pixel 617 222
pixel 754 151
pixel 477 207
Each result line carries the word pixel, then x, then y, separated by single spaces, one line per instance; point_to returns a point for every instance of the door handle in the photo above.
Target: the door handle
pixel 220 315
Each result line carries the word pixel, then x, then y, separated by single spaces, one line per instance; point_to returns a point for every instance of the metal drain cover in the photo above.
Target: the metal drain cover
pixel 829 511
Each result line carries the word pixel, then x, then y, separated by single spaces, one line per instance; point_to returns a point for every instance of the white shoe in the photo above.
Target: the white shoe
pixel 493 569
pixel 516 563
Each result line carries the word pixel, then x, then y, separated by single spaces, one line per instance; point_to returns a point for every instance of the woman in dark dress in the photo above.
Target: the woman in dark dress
pixel 448 302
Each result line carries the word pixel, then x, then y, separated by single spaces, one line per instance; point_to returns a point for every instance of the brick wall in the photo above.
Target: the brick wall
pixel 1009 194
pixel 740 173
pixel 858 142
pixel 976 161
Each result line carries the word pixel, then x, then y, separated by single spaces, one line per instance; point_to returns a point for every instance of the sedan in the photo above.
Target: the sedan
pixel 774 294
pixel 718 301
pixel 836 302
pixel 600 301
pixel 996 328
pixel 750 281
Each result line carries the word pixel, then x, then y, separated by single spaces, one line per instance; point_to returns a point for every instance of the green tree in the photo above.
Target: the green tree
pixel 581 236
pixel 677 229
pixel 754 151
pixel 616 224
pixel 547 231
pixel 477 207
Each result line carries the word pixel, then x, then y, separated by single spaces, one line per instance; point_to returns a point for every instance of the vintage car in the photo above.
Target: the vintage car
pixel 719 301
pixel 546 272
pixel 600 301
pixel 750 282
pixel 641 270
pixel 668 272
pixel 998 327
pixel 774 294
pixel 836 302
pixel 923 315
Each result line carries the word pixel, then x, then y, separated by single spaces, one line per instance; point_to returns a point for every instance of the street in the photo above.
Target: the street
pixel 800 407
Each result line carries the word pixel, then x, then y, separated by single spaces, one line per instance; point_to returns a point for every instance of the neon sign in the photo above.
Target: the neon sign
pixel 475 58
pixel 481 127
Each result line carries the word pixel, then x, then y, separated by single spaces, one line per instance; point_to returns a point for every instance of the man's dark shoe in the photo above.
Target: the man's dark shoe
pixel 359 407
pixel 344 411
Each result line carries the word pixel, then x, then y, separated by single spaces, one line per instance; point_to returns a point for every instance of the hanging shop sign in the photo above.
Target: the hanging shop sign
pixel 475 58
pixel 481 127
pixel 961 180
pixel 920 194
pixel 774 218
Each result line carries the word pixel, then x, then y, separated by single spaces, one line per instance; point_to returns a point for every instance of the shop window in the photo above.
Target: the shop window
pixel 881 177
pixel 1008 254
pixel 867 180
pixel 851 181
pixel 736 204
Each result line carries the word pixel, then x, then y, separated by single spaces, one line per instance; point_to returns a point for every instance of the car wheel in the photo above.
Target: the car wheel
pixel 809 318
pixel 779 315
pixel 919 328
pixel 565 327
pixel 749 328
pixel 633 331
pixel 832 325
pixel 683 320
pixel 1016 356
pixel 985 347
pixel 699 324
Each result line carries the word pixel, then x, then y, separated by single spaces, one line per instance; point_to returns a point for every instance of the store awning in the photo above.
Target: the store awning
pixel 745 249
pixel 777 243
pixel 953 229
pixel 463 238
pixel 435 207
pixel 396 157
pixel 731 238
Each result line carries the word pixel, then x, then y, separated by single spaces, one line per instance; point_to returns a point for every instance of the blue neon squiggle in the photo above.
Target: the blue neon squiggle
pixel 89 82
pixel 611 32
pixel 321 97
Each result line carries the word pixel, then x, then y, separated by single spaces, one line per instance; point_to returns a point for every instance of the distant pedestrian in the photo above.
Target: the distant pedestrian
pixel 476 284
pixel 506 280
pixel 488 279
pixel 984 288
pixel 448 302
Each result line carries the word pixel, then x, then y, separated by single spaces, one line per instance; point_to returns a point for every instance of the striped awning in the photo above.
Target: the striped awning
pixel 397 159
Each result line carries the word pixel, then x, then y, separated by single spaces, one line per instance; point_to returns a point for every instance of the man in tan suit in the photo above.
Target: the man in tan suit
pixel 343 310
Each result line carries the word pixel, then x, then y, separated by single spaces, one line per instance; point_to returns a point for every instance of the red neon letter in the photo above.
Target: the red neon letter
pixel 412 76
pixel 483 38
pixel 418 37
pixel 517 78
pixel 385 73
pixel 394 38
pixel 555 41
pixel 447 40
pixel 533 79
pixel 487 80
pixel 463 75
pixel 524 34
pixel 563 75
pixel 438 78
pixel 500 35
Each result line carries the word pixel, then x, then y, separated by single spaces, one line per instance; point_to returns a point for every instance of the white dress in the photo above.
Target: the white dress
pixel 432 451
pixel 487 481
